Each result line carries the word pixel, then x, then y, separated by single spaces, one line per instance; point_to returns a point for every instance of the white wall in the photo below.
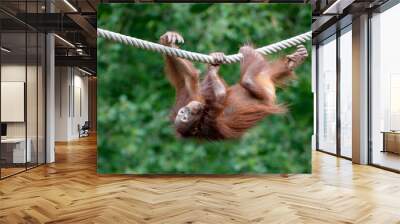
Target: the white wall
pixel 80 109
pixel 12 73
pixel 61 103
pixel 71 94
pixel 33 127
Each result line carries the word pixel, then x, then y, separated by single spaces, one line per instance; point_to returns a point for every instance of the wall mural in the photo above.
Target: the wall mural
pixel 162 114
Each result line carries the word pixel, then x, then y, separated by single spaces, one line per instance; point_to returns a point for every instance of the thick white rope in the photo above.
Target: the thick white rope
pixel 193 56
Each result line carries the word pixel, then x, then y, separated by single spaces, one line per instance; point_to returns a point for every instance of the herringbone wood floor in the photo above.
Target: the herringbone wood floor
pixel 70 191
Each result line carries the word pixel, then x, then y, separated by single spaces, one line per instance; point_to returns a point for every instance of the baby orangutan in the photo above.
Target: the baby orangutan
pixel 211 109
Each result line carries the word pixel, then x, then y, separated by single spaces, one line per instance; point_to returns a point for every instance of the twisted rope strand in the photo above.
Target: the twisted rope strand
pixel 193 56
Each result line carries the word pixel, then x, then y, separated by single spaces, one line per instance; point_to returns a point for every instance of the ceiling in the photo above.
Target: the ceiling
pixel 330 15
pixel 74 22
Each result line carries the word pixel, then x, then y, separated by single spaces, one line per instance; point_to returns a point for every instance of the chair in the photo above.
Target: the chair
pixel 84 130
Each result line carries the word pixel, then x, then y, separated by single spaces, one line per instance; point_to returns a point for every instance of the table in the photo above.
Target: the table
pixel 391 141
pixel 17 150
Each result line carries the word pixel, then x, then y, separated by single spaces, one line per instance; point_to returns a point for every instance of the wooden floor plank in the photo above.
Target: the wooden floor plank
pixel 70 191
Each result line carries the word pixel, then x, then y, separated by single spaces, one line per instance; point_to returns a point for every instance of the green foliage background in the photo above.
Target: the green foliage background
pixel 134 97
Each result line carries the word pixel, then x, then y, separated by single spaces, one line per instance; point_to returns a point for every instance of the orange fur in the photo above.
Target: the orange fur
pixel 242 105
